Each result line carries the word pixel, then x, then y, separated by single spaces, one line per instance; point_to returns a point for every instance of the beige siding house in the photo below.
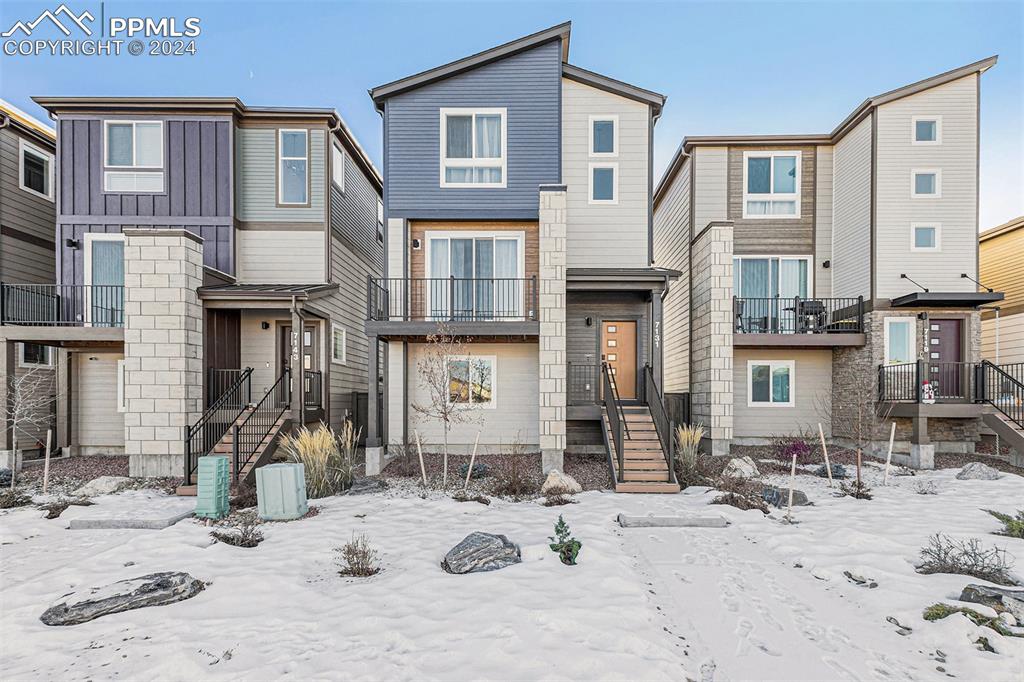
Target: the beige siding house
pixel 1001 252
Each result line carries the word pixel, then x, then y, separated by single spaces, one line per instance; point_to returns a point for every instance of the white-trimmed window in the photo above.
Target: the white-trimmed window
pixel 380 221
pixel 338 166
pixel 293 167
pixel 34 355
pixel 925 183
pixel 35 170
pixel 476 275
pixel 770 383
pixel 471 380
pixel 771 184
pixel 604 135
pixel 900 340
pixel 925 236
pixel 926 130
pixel 339 345
pixel 133 156
pixel 604 183
pixel 122 403
pixel 473 147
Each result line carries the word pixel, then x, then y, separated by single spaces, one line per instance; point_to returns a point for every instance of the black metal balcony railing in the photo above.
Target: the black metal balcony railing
pixel 65 305
pixel 798 315
pixel 451 299
pixel 313 390
pixel 952 382
pixel 584 383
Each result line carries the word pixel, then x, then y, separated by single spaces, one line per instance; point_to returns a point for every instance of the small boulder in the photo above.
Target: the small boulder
pixel 366 486
pixel 104 485
pixel 838 471
pixel 480 552
pixel 154 589
pixel 5 477
pixel 741 468
pixel 558 483
pixel 779 497
pixel 999 598
pixel 976 471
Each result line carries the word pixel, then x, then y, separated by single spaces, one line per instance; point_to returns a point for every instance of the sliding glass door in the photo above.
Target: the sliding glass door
pixel 475 277
pixel 767 286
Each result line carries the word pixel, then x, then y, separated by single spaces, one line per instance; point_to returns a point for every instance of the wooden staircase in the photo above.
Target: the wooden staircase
pixel 645 469
pixel 226 447
pixel 1010 432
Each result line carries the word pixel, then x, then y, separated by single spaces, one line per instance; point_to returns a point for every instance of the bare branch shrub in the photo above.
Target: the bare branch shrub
pixel 31 397
pixel 946 555
pixel 241 530
pixel 357 558
pixel 515 479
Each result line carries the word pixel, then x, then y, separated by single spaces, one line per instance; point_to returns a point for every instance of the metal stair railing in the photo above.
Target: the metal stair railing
pixel 250 433
pixel 616 417
pixel 659 415
pixel 202 437
pixel 1000 389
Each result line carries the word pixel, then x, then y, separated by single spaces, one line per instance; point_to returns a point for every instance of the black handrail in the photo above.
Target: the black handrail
pixel 662 424
pixel 313 390
pixel 451 299
pixel 219 381
pixel 616 417
pixel 1000 389
pixel 798 315
pixel 202 437
pixel 62 305
pixel 249 433
pixel 950 381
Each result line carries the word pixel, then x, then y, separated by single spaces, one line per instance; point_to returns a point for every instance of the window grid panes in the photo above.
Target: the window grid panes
pixel 473 149
pixel 293 166
pixel 471 381
pixel 772 185
pixel 770 383
pixel 134 151
pixel 475 278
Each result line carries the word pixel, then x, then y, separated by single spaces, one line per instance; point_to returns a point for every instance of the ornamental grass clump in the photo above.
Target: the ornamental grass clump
pixel 327 458
pixel 690 466
pixel 563 544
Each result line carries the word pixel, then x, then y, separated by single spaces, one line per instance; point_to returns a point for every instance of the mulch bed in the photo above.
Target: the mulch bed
pixel 70 473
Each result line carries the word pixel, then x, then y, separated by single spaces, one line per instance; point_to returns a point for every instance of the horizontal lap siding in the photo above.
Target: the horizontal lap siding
pixel 851 222
pixel 96 419
pixel 711 186
pixel 1002 266
pixel 528 85
pixel 783 236
pixel 811 389
pixel 25 263
pixel 354 214
pixel 28 214
pixel 257 191
pixel 671 250
pixel 823 223
pixel 1011 339
pixel 280 257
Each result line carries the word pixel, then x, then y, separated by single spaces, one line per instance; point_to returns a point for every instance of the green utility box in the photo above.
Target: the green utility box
pixel 281 492
pixel 212 487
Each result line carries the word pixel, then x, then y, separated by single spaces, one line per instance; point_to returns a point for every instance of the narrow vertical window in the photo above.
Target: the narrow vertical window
pixel 293 167
pixel 604 183
pixel 339 338
pixel 604 135
pixel 35 172
pixel 338 166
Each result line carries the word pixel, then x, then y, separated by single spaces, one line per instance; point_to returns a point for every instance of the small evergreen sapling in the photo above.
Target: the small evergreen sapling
pixel 567 548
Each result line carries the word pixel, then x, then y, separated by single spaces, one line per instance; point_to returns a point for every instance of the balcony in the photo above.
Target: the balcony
pixel 482 307
pixel 804 322
pixel 67 315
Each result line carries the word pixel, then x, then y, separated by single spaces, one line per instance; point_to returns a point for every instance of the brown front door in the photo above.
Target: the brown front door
pixel 944 356
pixel 618 349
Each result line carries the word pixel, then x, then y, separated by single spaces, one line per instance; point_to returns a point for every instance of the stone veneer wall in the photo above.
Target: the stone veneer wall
pixel 711 291
pixel 551 315
pixel 163 347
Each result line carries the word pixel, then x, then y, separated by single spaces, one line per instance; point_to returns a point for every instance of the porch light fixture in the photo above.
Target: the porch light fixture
pixel 922 316
pixel 264 325
pixel 590 322
pixel 827 264
pixel 416 244
pixel 71 243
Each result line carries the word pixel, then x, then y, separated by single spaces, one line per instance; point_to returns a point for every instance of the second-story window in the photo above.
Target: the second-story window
pixel 35 172
pixel 925 183
pixel 473 148
pixel 604 135
pixel 926 130
pixel 771 184
pixel 380 221
pixel 338 166
pixel 293 167
pixel 134 156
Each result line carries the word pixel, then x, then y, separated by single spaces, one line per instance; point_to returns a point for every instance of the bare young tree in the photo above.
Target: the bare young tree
pixel 30 401
pixel 448 396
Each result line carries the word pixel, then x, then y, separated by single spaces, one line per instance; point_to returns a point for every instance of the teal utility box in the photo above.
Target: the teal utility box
pixel 281 492
pixel 212 487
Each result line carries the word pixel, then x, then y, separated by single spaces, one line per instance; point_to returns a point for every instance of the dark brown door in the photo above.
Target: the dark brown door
pixel 310 358
pixel 618 349
pixel 945 361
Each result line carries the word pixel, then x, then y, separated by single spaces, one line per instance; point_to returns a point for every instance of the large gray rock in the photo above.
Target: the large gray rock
pixel 366 486
pixel 104 485
pixel 976 471
pixel 999 598
pixel 779 497
pixel 481 552
pixel 558 483
pixel 154 589
pixel 741 468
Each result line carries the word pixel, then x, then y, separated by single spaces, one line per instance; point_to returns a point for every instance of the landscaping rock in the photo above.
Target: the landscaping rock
pixel 104 485
pixel 5 476
pixel 558 483
pixel 976 471
pixel 154 589
pixel 779 497
pixel 366 486
pixel 741 468
pixel 838 471
pixel 858 579
pixel 999 598
pixel 480 552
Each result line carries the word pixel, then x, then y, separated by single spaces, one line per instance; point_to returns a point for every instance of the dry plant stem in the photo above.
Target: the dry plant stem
pixel 472 459
pixel 46 461
pixel 792 482
pixel 859 485
pixel 419 450
pixel 824 448
pixel 888 457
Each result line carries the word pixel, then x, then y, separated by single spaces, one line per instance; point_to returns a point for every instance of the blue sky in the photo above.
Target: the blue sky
pixel 726 67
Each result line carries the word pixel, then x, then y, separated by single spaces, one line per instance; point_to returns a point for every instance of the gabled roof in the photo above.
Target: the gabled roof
pixel 1009 226
pixel 837 134
pixel 224 105
pixel 27 123
pixel 617 87
pixel 558 32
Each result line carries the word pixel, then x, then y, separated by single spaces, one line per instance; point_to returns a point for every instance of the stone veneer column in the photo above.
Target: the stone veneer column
pixel 163 347
pixel 551 314
pixel 711 392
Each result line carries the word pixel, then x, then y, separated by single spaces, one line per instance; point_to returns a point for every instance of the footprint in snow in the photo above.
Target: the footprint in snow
pixel 729 600
pixel 681 577
pixel 840 669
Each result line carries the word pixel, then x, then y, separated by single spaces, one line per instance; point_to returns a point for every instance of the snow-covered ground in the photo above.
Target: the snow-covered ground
pixel 756 600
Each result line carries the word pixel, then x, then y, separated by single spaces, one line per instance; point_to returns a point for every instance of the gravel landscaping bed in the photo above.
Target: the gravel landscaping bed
pixel 70 473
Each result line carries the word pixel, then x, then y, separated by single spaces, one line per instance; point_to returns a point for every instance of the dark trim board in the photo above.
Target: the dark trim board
pixel 796 340
pixel 32 239
pixel 401 330
pixel 476 215
pixel 927 299
pixel 936 411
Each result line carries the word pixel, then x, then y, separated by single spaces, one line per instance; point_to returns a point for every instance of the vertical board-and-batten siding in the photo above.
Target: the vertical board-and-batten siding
pixel 528 86
pixel 851 219
pixel 256 188
pixel 23 213
pixel 711 188
pixel 775 235
pixel 605 235
pixel 671 250
pixel 823 221
pixel 811 390
pixel 197 183
pixel 956 157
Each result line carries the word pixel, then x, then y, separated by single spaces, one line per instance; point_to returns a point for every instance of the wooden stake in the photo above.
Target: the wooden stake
pixel 792 481
pixel 824 448
pixel 471 460
pixel 419 449
pixel 888 458
pixel 46 461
